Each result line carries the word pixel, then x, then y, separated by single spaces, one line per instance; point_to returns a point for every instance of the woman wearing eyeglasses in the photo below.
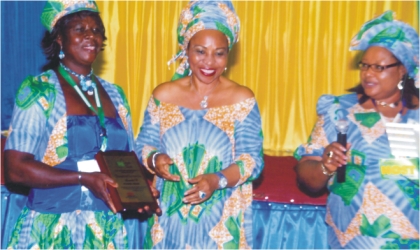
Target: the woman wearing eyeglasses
pixel 377 204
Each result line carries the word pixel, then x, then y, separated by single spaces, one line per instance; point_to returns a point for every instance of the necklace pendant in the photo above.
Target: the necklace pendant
pixel 391 105
pixel 383 104
pixel 103 132
pixel 90 90
pixel 204 103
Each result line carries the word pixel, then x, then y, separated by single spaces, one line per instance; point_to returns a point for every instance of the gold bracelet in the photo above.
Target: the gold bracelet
pixel 326 171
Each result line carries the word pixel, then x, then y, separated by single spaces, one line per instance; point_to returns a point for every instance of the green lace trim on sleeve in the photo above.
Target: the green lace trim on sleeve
pixel 37 90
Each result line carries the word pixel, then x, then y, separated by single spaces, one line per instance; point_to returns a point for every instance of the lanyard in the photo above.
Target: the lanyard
pixel 100 113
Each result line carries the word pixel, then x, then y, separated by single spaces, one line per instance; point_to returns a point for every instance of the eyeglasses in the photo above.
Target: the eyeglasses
pixel 375 67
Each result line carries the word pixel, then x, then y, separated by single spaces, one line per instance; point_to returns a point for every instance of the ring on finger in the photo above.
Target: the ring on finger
pixel 330 154
pixel 201 194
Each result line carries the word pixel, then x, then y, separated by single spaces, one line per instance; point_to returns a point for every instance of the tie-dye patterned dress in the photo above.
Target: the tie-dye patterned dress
pixel 370 210
pixel 69 216
pixel 200 142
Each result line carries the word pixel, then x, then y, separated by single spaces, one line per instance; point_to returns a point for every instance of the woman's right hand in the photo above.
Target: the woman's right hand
pixel 146 209
pixel 334 156
pixel 97 183
pixel 162 163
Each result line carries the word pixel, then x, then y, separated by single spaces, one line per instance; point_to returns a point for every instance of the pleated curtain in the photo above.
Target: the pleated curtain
pixel 289 53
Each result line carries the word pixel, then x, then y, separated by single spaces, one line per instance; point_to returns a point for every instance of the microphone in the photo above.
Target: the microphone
pixel 341 126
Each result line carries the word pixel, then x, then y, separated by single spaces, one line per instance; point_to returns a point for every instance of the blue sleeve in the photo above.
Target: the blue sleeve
pixel 33 104
pixel 323 133
pixel 248 146
pixel 148 140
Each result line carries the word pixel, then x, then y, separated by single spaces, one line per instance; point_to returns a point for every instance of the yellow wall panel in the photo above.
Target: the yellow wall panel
pixel 289 53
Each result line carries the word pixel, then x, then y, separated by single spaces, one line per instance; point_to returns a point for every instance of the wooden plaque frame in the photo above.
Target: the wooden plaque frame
pixel 133 191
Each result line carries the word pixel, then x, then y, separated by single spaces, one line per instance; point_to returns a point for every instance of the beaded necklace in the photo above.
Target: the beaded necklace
pixel 396 118
pixel 100 112
pixel 85 81
pixel 391 105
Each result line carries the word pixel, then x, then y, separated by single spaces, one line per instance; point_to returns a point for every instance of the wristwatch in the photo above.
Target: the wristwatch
pixel 222 180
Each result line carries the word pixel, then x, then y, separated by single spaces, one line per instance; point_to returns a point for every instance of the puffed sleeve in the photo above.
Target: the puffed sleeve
pixel 148 140
pixel 323 133
pixel 124 112
pixel 248 143
pixel 33 104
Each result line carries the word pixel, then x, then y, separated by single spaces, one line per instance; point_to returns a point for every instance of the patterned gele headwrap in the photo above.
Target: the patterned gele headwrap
pixel 56 9
pixel 398 37
pixel 201 15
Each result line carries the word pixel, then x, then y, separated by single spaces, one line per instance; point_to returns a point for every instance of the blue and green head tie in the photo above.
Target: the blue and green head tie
pixel 202 15
pixel 398 37
pixel 56 9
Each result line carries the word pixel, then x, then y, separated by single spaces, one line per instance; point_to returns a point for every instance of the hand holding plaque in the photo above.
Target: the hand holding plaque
pixel 133 191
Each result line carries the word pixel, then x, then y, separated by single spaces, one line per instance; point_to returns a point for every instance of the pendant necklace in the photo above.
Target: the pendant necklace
pixel 396 118
pixel 391 105
pixel 85 81
pixel 100 112
pixel 203 103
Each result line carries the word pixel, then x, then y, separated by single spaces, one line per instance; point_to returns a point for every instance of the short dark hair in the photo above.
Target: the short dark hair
pixel 49 44
pixel 408 92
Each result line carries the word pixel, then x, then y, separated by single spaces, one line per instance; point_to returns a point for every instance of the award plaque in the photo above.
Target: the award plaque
pixel 133 191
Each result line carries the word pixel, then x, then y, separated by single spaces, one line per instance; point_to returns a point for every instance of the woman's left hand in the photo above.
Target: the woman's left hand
pixel 206 184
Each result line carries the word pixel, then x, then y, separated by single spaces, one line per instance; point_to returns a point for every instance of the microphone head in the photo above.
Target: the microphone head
pixel 342 126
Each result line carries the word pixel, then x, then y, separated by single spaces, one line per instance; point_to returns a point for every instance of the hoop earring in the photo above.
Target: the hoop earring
pixel 400 85
pixel 61 55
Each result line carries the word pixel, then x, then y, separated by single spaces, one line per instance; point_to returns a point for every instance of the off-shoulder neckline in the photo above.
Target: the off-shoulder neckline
pixel 217 107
